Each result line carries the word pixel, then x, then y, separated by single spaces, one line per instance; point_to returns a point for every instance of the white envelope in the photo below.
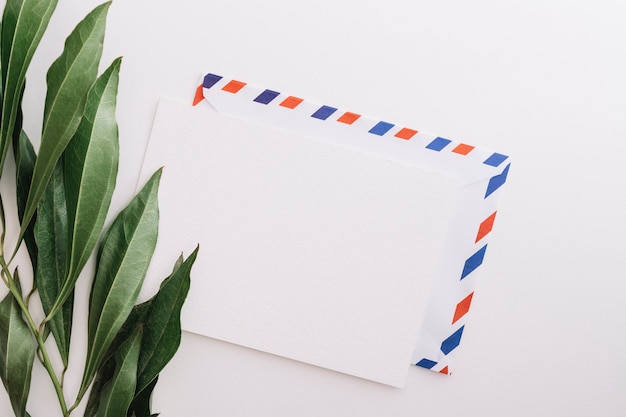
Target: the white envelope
pixel 325 236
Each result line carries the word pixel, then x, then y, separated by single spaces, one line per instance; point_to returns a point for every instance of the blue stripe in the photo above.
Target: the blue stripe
pixel 210 80
pixel 426 363
pixel 381 128
pixel 495 159
pixel 266 96
pixel 474 261
pixel 438 144
pixel 497 181
pixel 452 342
pixel 324 112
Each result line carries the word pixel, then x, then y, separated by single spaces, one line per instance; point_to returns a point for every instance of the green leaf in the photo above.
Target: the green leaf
pixel 69 79
pixel 25 162
pixel 119 391
pixel 17 353
pixel 23 24
pixel 51 235
pixel 90 168
pixel 25 157
pixel 102 379
pixel 140 407
pixel 122 264
pixel 169 299
pixel 135 320
pixel 162 332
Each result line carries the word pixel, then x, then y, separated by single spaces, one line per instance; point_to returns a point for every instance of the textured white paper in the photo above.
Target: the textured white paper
pixel 479 172
pixel 307 250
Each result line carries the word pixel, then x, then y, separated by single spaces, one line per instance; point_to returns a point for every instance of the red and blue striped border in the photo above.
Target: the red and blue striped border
pixel 438 144
pixel 326 112
pixel 471 264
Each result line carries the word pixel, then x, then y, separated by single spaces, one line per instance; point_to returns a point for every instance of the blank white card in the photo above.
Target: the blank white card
pixel 308 250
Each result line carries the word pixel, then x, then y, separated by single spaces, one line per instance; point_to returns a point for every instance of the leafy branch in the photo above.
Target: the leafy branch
pixel 63 192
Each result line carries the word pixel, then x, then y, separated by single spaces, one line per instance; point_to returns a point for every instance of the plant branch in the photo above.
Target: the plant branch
pixel 40 342
pixel 30 294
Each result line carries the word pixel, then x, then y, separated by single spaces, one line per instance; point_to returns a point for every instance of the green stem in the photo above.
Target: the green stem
pixel 63 376
pixel 30 294
pixel 40 342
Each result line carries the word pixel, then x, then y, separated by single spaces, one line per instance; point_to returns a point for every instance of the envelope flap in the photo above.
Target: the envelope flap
pixel 463 162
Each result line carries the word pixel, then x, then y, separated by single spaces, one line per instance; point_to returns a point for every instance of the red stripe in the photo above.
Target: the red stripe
pixel 234 86
pixel 199 95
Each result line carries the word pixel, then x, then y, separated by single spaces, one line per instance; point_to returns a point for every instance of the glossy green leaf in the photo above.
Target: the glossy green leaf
pixel 164 324
pixel 23 24
pixel 141 405
pixel 120 390
pixel 51 235
pixel 90 164
pixel 24 156
pixel 102 379
pixel 122 264
pixel 135 320
pixel 69 79
pixel 162 330
pixel 25 162
pixel 17 353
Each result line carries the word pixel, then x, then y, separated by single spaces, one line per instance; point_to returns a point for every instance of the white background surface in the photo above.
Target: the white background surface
pixel 542 81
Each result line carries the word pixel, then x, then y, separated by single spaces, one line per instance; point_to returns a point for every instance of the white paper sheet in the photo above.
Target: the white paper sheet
pixel 307 250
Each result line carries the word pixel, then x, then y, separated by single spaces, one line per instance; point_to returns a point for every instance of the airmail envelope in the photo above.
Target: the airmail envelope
pixel 326 236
